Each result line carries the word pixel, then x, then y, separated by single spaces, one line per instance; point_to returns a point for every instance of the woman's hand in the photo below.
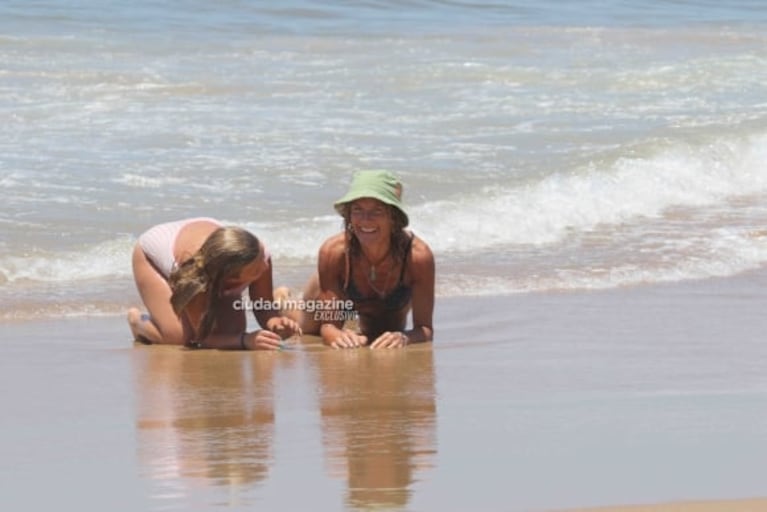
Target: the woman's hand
pixel 394 339
pixel 348 339
pixel 262 340
pixel 283 326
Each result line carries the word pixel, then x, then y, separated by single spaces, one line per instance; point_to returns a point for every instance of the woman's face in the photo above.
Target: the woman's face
pixel 236 284
pixel 370 219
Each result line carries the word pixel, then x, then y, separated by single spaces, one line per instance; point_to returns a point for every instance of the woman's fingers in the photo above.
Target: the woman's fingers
pixel 349 339
pixel 390 340
pixel 284 324
pixel 267 340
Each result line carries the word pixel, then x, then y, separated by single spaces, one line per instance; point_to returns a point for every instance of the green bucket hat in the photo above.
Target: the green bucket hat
pixel 381 185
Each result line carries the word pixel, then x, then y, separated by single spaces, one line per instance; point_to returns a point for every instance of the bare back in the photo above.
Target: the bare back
pixel 191 237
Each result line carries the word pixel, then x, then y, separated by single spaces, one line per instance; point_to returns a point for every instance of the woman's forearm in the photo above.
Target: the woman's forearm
pixel 419 334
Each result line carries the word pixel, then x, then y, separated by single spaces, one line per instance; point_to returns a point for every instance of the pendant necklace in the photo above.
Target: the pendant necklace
pixel 372 275
pixel 372 272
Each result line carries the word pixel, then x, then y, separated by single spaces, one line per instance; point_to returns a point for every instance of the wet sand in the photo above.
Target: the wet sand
pixel 524 403
pixel 753 505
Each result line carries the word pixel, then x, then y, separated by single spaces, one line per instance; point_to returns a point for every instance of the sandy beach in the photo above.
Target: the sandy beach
pixel 524 403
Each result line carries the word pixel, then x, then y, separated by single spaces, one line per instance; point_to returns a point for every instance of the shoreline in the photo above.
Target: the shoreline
pixel 750 281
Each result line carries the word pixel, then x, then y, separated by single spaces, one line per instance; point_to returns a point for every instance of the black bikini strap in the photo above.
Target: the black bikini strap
pixel 347 269
pixel 407 254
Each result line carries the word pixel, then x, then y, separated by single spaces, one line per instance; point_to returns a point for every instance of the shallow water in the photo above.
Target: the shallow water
pixel 642 396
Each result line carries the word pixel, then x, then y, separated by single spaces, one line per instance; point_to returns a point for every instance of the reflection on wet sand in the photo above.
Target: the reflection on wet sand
pixel 378 419
pixel 203 417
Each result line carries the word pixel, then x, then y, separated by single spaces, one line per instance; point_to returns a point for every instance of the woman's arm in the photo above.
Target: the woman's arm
pixel 231 334
pixel 257 340
pixel 331 265
pixel 422 271
pixel 270 319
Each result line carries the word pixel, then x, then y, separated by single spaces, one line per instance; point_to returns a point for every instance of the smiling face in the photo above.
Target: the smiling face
pixel 371 220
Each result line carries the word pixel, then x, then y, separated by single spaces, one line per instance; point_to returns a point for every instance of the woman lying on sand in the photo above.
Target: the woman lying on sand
pixel 378 265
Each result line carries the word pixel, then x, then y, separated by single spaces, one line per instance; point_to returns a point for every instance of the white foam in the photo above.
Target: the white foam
pixel 546 211
pixel 297 240
pixel 106 259
pixel 540 214
pixel 727 252
pixel 138 181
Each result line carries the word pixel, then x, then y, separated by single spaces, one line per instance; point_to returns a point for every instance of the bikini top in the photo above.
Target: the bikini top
pixel 395 300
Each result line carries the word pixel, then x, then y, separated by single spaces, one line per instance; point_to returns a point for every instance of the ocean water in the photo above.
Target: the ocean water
pixel 542 145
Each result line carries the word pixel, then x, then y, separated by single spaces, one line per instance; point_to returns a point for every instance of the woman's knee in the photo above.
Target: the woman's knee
pixel 173 334
pixel 312 287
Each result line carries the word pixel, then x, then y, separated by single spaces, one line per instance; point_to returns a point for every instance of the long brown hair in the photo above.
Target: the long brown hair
pixel 399 239
pixel 223 254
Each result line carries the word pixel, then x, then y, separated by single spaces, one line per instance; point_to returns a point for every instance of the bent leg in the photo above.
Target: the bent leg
pixel 311 292
pixel 141 327
pixel 163 326
pixel 303 318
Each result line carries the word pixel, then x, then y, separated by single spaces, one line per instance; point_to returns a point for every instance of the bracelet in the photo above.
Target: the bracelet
pixel 242 341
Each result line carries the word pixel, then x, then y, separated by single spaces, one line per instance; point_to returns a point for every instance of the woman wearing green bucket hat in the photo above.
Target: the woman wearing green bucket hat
pixel 377 267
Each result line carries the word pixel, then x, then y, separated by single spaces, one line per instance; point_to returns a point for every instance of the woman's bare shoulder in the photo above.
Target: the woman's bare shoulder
pixel 333 249
pixel 421 250
pixel 421 257
pixel 336 244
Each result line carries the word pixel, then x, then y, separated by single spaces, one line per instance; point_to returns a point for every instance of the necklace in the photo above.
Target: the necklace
pixel 371 275
pixel 372 272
